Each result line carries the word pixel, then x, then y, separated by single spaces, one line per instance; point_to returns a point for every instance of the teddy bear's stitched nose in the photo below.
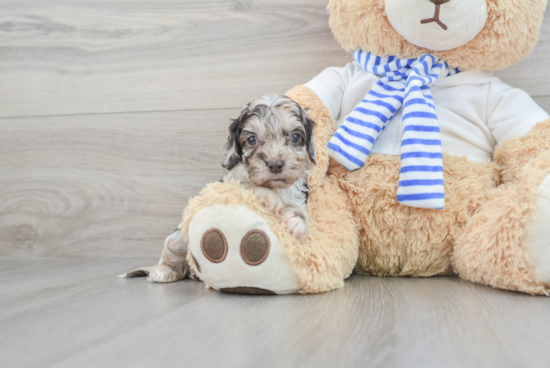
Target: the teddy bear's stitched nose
pixel 436 19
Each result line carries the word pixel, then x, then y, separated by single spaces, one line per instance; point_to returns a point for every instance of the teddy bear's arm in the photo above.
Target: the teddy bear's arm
pixel 516 152
pixel 330 86
pixel 518 125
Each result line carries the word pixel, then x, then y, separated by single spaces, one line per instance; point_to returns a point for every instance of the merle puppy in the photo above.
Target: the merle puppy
pixel 271 151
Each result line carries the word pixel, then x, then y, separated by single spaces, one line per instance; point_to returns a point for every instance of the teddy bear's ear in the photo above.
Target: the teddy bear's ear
pixel 233 149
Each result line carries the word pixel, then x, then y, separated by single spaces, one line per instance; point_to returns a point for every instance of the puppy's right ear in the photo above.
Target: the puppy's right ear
pixel 233 149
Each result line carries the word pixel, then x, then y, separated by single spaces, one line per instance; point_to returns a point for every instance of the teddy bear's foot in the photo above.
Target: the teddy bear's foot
pixel 506 244
pixel 234 250
pixel 537 233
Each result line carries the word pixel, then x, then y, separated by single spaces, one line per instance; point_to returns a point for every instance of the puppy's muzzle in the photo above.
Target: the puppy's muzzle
pixel 275 166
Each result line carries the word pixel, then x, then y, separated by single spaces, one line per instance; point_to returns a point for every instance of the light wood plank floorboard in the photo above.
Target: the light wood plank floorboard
pixel 113 114
pixel 104 185
pixel 79 56
pixel 76 313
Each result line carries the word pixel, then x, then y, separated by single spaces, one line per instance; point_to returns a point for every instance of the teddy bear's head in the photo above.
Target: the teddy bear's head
pixel 468 34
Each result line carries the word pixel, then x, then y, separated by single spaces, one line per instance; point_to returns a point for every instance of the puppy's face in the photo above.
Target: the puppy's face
pixel 273 139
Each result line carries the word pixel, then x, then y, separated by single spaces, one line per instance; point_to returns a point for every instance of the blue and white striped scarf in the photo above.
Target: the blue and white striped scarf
pixel 404 83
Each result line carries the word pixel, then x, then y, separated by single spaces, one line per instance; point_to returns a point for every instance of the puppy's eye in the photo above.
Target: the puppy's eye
pixel 296 138
pixel 252 140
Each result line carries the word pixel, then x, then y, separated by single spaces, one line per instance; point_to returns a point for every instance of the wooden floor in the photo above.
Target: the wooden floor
pixel 77 313
pixel 112 115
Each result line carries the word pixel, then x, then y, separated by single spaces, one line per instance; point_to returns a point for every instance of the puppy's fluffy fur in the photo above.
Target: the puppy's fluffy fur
pixel 270 150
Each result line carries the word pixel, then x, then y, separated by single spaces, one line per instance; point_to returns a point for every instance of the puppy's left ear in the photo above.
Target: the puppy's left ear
pixel 309 126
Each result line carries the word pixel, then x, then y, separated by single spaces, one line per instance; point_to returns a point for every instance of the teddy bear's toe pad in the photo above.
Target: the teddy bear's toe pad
pixel 537 236
pixel 214 245
pixel 255 247
pixel 235 251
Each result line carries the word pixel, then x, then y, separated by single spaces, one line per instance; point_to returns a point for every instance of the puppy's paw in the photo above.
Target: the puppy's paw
pixel 297 225
pixel 162 274
pixel 271 201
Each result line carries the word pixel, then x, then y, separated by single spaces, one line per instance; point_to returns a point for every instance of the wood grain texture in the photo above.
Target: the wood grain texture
pixel 78 177
pixel 76 313
pixel 103 185
pixel 78 56
pixel 532 74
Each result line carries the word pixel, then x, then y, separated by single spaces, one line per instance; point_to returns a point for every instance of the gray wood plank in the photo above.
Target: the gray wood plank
pixel 21 278
pixel 532 74
pixel 79 56
pixel 74 57
pixel 68 306
pixel 372 322
pixel 543 102
pixel 103 185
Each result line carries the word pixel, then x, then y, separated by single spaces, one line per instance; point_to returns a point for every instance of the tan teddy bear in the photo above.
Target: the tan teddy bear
pixel 427 164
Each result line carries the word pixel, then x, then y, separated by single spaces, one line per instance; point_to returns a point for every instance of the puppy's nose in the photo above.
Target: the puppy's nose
pixel 439 2
pixel 275 166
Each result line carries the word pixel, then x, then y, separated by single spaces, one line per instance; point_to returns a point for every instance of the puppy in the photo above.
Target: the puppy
pixel 270 150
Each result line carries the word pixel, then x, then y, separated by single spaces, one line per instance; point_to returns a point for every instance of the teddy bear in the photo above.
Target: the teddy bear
pixel 427 164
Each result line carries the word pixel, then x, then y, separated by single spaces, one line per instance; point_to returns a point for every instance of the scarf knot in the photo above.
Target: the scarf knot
pixel 404 83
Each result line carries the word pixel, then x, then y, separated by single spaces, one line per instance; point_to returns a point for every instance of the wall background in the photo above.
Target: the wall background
pixel 113 114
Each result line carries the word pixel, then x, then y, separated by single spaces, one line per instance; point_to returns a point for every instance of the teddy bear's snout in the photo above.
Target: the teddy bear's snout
pixel 435 18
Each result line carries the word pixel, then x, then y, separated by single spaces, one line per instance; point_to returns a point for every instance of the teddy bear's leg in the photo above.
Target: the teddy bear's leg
pixel 234 250
pixel 237 245
pixel 506 244
pixel 173 265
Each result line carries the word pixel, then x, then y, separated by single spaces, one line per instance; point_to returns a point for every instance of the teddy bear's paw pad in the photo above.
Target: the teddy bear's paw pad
pixel 235 251
pixel 214 245
pixel 537 234
pixel 255 247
